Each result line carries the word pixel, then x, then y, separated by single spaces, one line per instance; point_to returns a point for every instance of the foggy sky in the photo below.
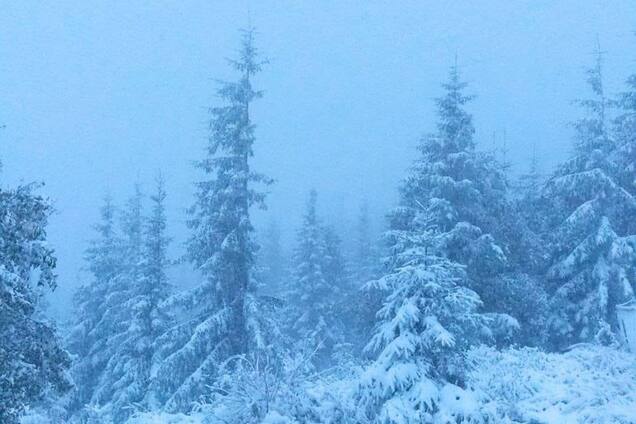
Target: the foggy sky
pixel 96 95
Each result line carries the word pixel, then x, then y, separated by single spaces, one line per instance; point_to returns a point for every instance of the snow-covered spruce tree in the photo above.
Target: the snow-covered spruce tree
pixel 220 318
pixel 464 192
pixel 144 284
pixel 314 285
pixel 588 213
pixel 438 257
pixel 154 286
pixel 520 291
pixel 94 322
pixel 428 319
pixel 119 383
pixel 32 361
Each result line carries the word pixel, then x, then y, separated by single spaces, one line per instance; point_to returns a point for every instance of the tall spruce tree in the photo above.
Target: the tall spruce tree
pixel 94 322
pixel 155 287
pixel 588 216
pixel 218 318
pixel 310 290
pixel 32 361
pixel 436 253
pixel 153 316
pixel 122 382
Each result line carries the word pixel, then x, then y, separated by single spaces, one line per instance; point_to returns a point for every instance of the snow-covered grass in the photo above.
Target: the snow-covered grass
pixel 588 385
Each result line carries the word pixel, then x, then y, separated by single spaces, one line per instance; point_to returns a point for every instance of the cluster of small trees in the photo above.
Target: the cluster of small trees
pixel 469 257
pixel 118 315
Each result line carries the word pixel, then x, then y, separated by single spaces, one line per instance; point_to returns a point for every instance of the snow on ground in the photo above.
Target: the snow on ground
pixel 162 418
pixel 588 385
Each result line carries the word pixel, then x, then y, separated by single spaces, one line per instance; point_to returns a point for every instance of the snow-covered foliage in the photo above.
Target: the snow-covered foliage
pixel 93 323
pixel 589 213
pixel 260 389
pixel 32 361
pixel 428 319
pixel 118 330
pixel 459 191
pixel 431 315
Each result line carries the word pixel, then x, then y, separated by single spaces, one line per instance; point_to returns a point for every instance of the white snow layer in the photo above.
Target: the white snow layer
pixel 587 385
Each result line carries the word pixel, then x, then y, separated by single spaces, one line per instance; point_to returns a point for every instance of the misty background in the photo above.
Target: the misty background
pixel 98 95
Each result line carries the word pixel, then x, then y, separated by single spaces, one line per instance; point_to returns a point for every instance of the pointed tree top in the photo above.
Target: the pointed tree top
pixel 248 56
pixel 455 125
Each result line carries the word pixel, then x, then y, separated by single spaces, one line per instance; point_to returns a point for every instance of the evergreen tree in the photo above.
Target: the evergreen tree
pixel 588 214
pixel 437 254
pixel 154 283
pixel 94 326
pixel 155 289
pixel 32 362
pixel 311 292
pixel 133 301
pixel 123 379
pixel 520 291
pixel 428 319
pixel 334 264
pixel 217 319
pixel 463 190
pixel 317 297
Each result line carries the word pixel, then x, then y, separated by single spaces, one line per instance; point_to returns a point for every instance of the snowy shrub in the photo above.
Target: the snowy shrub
pixel 259 386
